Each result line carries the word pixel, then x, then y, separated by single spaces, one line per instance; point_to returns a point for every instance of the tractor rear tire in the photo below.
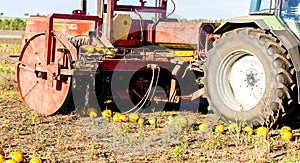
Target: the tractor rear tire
pixel 249 77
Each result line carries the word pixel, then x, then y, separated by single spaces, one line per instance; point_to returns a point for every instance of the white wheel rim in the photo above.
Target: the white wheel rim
pixel 241 81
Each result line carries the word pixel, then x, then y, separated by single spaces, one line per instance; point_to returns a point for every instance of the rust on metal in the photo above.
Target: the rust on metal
pixel 44 68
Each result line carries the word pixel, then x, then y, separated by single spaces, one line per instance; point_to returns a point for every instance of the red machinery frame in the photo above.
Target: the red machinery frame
pixel 45 64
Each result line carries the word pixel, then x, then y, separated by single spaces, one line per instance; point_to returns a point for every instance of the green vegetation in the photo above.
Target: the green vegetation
pixel 12 24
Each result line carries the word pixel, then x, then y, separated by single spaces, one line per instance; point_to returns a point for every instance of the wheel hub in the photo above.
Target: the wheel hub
pixel 251 79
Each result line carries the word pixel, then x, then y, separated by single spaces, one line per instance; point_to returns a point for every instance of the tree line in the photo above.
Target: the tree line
pixel 201 20
pixel 12 24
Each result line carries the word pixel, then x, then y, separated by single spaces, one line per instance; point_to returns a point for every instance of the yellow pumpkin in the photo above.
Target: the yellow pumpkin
pixel 133 117
pixel 116 117
pixel 262 131
pixel 17 156
pixel 35 160
pixel 248 129
pixel 286 136
pixel 219 128
pixel 141 121
pixel 107 113
pixel 2 158
pixel 93 114
pixel 152 120
pixel 203 127
pixel 123 118
pixel 285 128
pixel 180 121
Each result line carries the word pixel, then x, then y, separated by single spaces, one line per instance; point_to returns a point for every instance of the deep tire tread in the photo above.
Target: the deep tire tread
pixel 285 92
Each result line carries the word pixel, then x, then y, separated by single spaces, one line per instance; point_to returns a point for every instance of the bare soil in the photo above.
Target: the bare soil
pixel 71 138
pixel 10 37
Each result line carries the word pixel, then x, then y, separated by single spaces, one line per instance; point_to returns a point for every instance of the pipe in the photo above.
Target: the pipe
pixel 83 4
pixel 110 16
pixel 163 4
pixel 100 8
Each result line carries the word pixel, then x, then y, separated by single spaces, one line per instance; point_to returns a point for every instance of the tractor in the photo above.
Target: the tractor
pixel 127 58
pixel 252 71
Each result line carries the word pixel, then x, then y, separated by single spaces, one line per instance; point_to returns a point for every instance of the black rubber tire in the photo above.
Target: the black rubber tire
pixel 278 76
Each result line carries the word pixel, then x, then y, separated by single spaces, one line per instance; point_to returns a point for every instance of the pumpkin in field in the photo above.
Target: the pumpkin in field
pixel 2 158
pixel 262 131
pixel 285 128
pixel 141 121
pixel 286 136
pixel 93 113
pixel 35 160
pixel 123 118
pixel 152 120
pixel 203 127
pixel 116 117
pixel 219 128
pixel 133 117
pixel 17 156
pixel 248 130
pixel 107 113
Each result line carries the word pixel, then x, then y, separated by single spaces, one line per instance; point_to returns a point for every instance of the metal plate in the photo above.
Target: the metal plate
pixel 41 92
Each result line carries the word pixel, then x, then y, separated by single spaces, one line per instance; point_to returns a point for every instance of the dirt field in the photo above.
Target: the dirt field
pixel 10 42
pixel 10 37
pixel 62 138
pixel 71 138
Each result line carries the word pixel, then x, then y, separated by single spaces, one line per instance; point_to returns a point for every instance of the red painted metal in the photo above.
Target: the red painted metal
pixel 128 43
pixel 109 19
pixel 129 65
pixel 41 92
pixel 68 27
pixel 45 65
pixel 44 68
pixel 182 34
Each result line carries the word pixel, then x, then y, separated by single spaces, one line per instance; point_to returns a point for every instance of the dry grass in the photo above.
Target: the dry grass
pixel 62 138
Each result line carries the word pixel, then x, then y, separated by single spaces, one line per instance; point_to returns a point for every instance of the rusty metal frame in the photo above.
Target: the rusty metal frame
pixel 76 15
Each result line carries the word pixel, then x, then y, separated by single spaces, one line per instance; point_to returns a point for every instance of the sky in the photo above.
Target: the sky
pixel 189 9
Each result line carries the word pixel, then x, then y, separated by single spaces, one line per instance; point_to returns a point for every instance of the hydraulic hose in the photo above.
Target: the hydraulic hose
pixel 142 102
pixel 174 8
